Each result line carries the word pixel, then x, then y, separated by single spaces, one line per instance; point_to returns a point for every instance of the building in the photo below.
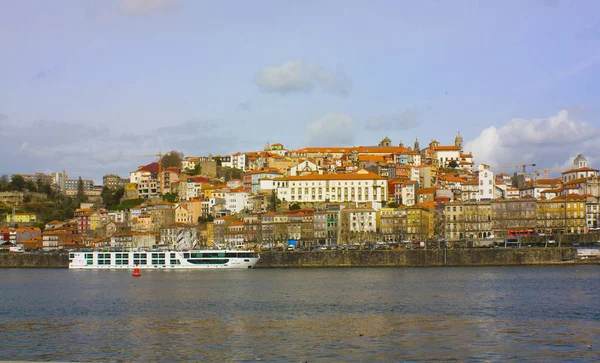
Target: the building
pixel 566 214
pixel 513 217
pixel 419 223
pixel 113 181
pixel 580 170
pixel 21 218
pixel 357 225
pixel 359 187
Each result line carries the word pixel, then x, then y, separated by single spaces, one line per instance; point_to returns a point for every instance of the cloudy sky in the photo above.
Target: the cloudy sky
pixel 85 85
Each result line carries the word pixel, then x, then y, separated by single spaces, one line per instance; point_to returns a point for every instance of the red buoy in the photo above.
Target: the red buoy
pixel 136 271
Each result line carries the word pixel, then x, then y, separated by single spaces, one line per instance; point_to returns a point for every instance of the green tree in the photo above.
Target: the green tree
pixel 172 159
pixel 80 191
pixel 453 164
pixel 273 202
pixel 171 197
pixel 197 169
pixel 393 205
pixel 203 220
pixel 17 183
pixel 295 206
pixel 4 182
pixel 218 161
pixel 111 198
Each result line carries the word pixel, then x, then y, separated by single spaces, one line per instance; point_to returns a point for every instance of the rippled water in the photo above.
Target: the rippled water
pixel 542 314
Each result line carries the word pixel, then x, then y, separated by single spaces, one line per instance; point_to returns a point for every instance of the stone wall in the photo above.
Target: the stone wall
pixel 407 258
pixel 418 258
pixel 36 260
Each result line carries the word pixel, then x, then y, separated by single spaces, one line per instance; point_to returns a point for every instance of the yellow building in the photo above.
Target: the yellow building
pixel 419 223
pixel 565 214
pixel 477 220
pixel 21 218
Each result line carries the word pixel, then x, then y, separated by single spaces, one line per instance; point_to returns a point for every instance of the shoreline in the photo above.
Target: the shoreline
pixel 472 257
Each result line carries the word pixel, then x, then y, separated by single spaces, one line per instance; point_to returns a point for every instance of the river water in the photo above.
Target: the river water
pixel 549 313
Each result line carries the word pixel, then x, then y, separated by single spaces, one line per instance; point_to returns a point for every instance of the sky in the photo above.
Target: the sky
pixel 91 86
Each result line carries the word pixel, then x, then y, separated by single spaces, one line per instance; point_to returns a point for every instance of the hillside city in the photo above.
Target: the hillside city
pixel 317 197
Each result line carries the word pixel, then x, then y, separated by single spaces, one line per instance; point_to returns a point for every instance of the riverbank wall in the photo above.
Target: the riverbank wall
pixel 34 260
pixel 421 258
pixel 385 258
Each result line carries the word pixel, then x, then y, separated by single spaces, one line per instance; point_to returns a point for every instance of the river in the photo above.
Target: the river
pixel 533 313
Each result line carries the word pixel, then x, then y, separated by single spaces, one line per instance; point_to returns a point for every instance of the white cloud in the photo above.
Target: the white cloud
pixel 92 151
pixel 299 77
pixel 146 6
pixel 548 142
pixel 407 119
pixel 333 129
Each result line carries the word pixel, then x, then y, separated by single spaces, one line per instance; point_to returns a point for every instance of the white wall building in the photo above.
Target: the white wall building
pixel 486 183
pixel 303 167
pixel 236 201
pixel 409 193
pixel 360 187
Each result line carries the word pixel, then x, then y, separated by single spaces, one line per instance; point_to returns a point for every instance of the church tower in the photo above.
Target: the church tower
pixel 416 146
pixel 458 142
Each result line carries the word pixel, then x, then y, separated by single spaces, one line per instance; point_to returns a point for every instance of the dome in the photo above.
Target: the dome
pixel 579 162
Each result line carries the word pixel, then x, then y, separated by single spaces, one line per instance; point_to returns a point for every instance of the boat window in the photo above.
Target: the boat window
pixel 89 255
pixel 71 255
pixel 90 262
pixel 209 262
pixel 172 255
pixel 175 262
pixel 158 262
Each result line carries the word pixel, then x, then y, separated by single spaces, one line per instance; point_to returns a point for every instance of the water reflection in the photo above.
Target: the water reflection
pixel 488 314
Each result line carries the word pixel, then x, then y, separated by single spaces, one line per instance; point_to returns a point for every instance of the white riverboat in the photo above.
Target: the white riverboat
pixel 164 259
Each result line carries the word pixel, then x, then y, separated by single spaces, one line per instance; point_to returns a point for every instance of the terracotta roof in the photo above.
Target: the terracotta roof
pixel 151 168
pixel 579 169
pixel 357 176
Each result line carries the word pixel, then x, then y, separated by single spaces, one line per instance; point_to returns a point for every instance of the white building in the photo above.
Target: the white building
pixel 239 161
pixel 304 167
pixel 486 183
pixel 360 187
pixel 360 219
pixel 409 193
pixel 236 201
pixel 580 170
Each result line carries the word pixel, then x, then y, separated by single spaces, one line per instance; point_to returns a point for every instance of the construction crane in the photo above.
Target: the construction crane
pixel 546 171
pixel 160 176
pixel 523 166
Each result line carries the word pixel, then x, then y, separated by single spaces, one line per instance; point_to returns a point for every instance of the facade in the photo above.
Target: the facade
pixel 419 223
pixel 513 217
pixel 113 181
pixel 562 215
pixel 359 187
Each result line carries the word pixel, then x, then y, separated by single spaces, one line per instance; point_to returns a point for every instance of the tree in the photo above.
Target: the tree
pixel 4 181
pixel 218 160
pixel 172 159
pixel 81 197
pixel 273 202
pixel 393 205
pixel 171 197
pixel 295 206
pixel 197 169
pixel 453 164
pixel 111 198
pixel 17 183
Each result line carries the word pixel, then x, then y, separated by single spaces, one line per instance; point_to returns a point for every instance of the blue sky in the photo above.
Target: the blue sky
pixel 85 85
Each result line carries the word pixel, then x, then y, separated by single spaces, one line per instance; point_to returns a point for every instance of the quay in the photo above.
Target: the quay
pixel 362 258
